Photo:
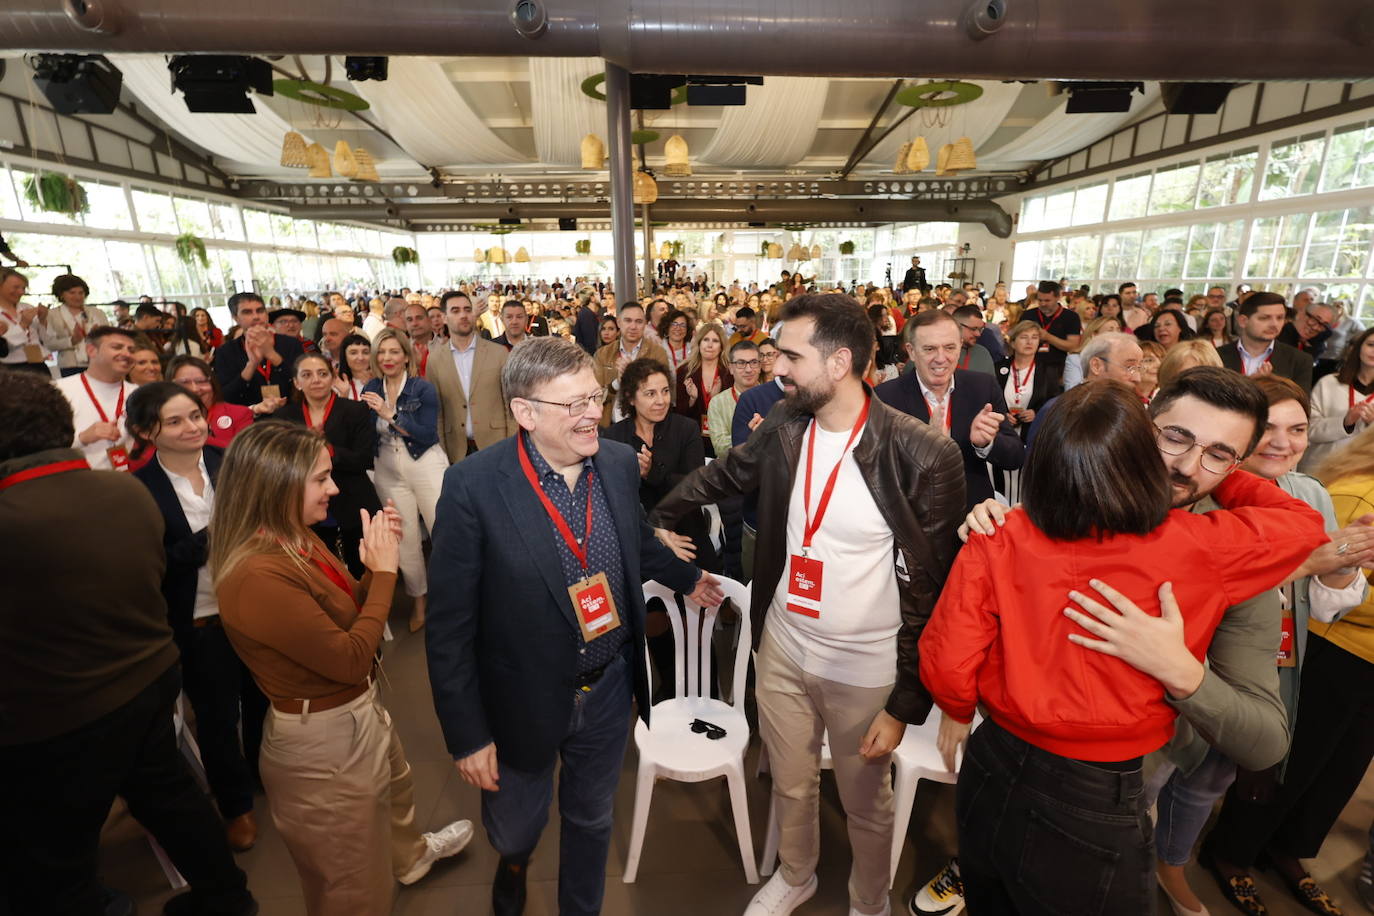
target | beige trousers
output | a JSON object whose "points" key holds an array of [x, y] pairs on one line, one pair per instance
{"points": [[795, 710], [339, 789], [414, 485]]}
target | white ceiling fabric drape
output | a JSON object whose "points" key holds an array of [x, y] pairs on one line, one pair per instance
{"points": [[563, 113], [978, 120], [252, 139], [419, 105], [774, 127], [1058, 133]]}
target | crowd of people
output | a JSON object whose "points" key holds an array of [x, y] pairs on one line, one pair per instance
{"points": [[1167, 506]]}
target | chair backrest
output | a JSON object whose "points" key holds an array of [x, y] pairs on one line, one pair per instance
{"points": [[692, 631]]}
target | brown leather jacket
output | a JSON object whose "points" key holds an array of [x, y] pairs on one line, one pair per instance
{"points": [[916, 477]]}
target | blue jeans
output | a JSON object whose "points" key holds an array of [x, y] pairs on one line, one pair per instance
{"points": [[1185, 804], [592, 753], [1041, 834]]}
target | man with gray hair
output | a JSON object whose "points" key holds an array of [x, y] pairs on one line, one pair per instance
{"points": [[1112, 355], [536, 620]]}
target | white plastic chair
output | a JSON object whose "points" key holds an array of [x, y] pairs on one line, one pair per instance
{"points": [[668, 748], [916, 758]]}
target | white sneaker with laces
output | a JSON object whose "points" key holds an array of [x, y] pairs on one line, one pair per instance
{"points": [[778, 898], [942, 896], [439, 845]]}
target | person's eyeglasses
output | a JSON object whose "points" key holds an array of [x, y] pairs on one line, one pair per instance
{"points": [[1215, 459], [678, 324], [746, 363], [1324, 325], [1128, 368], [710, 730], [578, 406], [977, 329]]}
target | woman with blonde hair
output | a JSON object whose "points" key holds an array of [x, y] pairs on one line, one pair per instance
{"points": [[1186, 354], [338, 784], [702, 376], [410, 462]]}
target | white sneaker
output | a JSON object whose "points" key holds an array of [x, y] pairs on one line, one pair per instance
{"points": [[778, 898], [886, 911], [942, 896], [439, 845]]}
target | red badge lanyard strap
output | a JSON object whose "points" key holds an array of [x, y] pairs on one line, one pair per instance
{"points": [[1364, 401], [265, 370], [812, 525], [119, 405], [968, 355], [336, 577], [44, 470], [424, 361], [328, 409], [579, 549], [1016, 378], [1040, 318]]}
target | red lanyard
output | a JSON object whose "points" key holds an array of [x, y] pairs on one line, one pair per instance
{"points": [[735, 394], [119, 407], [353, 387], [328, 409], [1039, 317], [706, 390], [336, 577], [44, 470], [812, 525], [1352, 397], [1016, 379], [1268, 358], [424, 362], [968, 355], [265, 370], [949, 413], [677, 360], [579, 549]]}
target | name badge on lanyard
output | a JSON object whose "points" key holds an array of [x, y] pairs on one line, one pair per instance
{"points": [[805, 573], [1287, 655]]}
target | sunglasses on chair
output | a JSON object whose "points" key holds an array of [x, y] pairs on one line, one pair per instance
{"points": [[712, 731]]}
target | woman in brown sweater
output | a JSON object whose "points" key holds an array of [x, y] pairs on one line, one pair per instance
{"points": [[338, 784]]}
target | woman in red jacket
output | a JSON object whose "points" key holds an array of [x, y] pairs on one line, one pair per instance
{"points": [[1048, 802]]}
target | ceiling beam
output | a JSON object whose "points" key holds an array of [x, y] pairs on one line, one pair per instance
{"points": [[855, 156]]}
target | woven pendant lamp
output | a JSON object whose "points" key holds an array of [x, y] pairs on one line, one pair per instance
{"points": [[318, 160], [961, 157], [480, 255], [345, 164], [665, 251], [815, 252], [774, 250], [293, 151], [900, 167], [942, 160], [677, 164], [367, 166], [521, 255], [593, 152], [496, 255], [645, 188], [918, 158], [795, 253]]}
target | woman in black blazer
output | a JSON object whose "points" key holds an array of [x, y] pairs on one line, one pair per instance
{"points": [[350, 429], [1026, 385], [181, 478]]}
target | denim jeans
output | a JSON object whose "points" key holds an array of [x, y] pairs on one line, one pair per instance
{"points": [[592, 753], [1043, 834], [1185, 804]]}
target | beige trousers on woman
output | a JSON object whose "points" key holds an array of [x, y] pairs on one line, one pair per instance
{"points": [[339, 789]]}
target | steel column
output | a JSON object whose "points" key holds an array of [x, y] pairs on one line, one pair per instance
{"points": [[621, 164]]}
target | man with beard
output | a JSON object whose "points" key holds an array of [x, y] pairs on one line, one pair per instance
{"points": [[843, 586]]}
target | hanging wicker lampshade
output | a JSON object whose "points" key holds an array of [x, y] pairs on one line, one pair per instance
{"points": [[942, 159], [816, 252], [645, 188], [961, 156], [665, 251], [521, 255], [593, 152], [496, 255], [367, 166], [675, 152], [918, 158], [774, 250], [795, 253], [345, 163], [293, 151], [318, 160], [480, 255], [900, 167]]}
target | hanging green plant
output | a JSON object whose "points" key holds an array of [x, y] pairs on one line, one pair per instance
{"points": [[54, 193], [583, 246], [503, 230], [763, 250], [846, 247], [676, 249], [403, 255], [191, 248]]}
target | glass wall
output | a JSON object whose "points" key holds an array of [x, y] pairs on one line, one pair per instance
{"points": [[1291, 211]]}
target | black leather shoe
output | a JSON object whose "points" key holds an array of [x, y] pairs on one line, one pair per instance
{"points": [[1241, 892], [508, 887]]}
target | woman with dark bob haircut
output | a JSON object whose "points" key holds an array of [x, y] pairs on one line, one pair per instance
{"points": [[1048, 801]]}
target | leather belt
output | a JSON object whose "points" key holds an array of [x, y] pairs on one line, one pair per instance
{"points": [[586, 679], [321, 704], [201, 623]]}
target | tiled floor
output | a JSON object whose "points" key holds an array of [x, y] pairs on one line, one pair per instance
{"points": [[690, 865]]}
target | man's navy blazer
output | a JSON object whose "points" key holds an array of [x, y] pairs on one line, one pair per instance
{"points": [[972, 390], [500, 633]]}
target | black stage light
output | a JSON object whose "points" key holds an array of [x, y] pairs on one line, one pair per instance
{"points": [[1097, 98], [719, 90], [78, 83], [365, 68], [509, 220], [567, 224], [1194, 98], [220, 82]]}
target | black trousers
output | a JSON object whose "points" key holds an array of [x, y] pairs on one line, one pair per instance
{"points": [[1332, 747], [1043, 834], [58, 794], [223, 693]]}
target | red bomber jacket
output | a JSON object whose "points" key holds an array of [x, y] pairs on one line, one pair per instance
{"points": [[999, 636]]}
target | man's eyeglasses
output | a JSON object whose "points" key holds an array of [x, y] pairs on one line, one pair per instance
{"points": [[745, 363], [1128, 368], [578, 406], [975, 328], [1216, 459], [1313, 319]]}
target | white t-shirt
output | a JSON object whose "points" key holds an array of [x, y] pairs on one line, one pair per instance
{"points": [[854, 639], [85, 414]]}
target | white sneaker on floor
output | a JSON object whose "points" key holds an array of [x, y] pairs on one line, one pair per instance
{"points": [[942, 896], [886, 911], [439, 845], [778, 898]]}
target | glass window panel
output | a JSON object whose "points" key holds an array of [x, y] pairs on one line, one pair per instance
{"points": [[1293, 167], [193, 216], [1350, 159], [1129, 197], [1174, 189], [154, 212], [1090, 204], [225, 221], [1032, 214], [9, 202], [1082, 254], [1058, 210], [1026, 259], [1162, 252], [259, 225], [1120, 254], [1227, 180], [129, 269], [1339, 244], [266, 272], [305, 233], [109, 206], [173, 275], [283, 229]]}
